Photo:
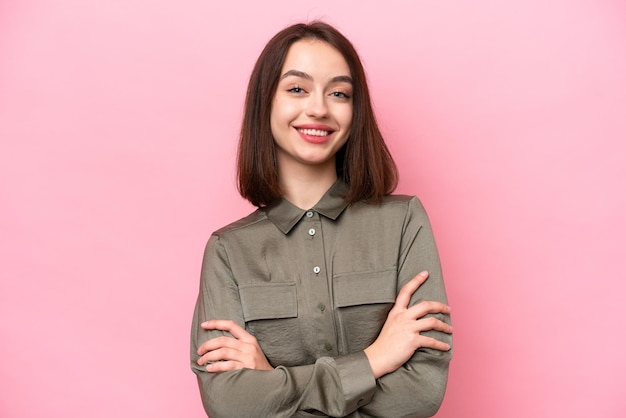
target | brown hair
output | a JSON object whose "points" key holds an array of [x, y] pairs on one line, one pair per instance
{"points": [[364, 162]]}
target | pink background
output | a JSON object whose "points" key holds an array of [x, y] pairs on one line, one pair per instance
{"points": [[118, 126]]}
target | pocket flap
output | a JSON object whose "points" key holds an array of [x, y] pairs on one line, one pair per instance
{"points": [[364, 288], [268, 301]]}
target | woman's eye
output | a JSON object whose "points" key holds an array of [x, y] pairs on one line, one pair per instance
{"points": [[296, 90], [340, 94]]}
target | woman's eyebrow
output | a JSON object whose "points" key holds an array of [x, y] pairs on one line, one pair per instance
{"points": [[296, 73], [342, 79], [302, 74]]}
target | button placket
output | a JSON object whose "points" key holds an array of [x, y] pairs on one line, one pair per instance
{"points": [[311, 231], [318, 299]]}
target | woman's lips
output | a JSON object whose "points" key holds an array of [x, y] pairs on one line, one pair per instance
{"points": [[315, 134]]}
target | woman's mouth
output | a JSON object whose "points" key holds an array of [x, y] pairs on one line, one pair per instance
{"points": [[314, 132], [315, 135]]}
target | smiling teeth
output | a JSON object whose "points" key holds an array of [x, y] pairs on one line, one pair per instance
{"points": [[314, 132]]}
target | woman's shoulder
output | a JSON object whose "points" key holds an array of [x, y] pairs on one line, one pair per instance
{"points": [[389, 205], [398, 198], [400, 203], [245, 222], [404, 200]]}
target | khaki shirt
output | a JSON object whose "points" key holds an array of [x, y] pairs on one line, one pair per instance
{"points": [[314, 287]]}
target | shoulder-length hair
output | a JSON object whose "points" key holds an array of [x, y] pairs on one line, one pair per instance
{"points": [[364, 162]]}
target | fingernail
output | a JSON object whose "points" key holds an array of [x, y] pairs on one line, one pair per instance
{"points": [[423, 274]]}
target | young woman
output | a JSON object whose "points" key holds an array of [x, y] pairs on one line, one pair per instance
{"points": [[327, 300]]}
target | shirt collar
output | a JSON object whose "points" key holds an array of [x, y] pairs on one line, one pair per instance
{"points": [[285, 215]]}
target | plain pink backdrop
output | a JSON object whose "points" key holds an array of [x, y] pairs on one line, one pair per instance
{"points": [[118, 126]]}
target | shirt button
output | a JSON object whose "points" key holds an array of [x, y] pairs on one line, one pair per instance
{"points": [[309, 214], [311, 231], [316, 269], [321, 307], [328, 347]]}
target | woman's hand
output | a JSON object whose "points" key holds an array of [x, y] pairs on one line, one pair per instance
{"points": [[227, 353], [400, 335]]}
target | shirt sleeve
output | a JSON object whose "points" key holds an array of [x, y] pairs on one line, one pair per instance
{"points": [[416, 389], [332, 386]]}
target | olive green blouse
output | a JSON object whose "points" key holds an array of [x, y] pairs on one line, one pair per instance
{"points": [[314, 287]]}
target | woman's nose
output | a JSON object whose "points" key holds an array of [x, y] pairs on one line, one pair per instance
{"points": [[316, 106]]}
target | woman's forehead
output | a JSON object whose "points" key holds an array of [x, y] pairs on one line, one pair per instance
{"points": [[314, 59]]}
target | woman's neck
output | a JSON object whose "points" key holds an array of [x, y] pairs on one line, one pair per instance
{"points": [[304, 186]]}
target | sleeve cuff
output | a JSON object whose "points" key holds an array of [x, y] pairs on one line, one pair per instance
{"points": [[357, 379]]}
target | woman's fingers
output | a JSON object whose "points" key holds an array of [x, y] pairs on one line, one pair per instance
{"points": [[219, 342], [433, 324], [230, 326], [223, 366], [402, 331], [404, 296], [427, 307], [226, 349], [220, 354], [427, 342], [242, 350], [421, 309]]}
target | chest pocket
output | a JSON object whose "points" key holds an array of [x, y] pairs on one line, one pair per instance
{"points": [[270, 311], [268, 301], [363, 300]]}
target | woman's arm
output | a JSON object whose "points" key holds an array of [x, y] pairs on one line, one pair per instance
{"points": [[332, 386], [223, 354], [401, 334], [416, 388], [399, 338]]}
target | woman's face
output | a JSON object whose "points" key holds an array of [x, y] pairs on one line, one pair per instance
{"points": [[311, 112]]}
